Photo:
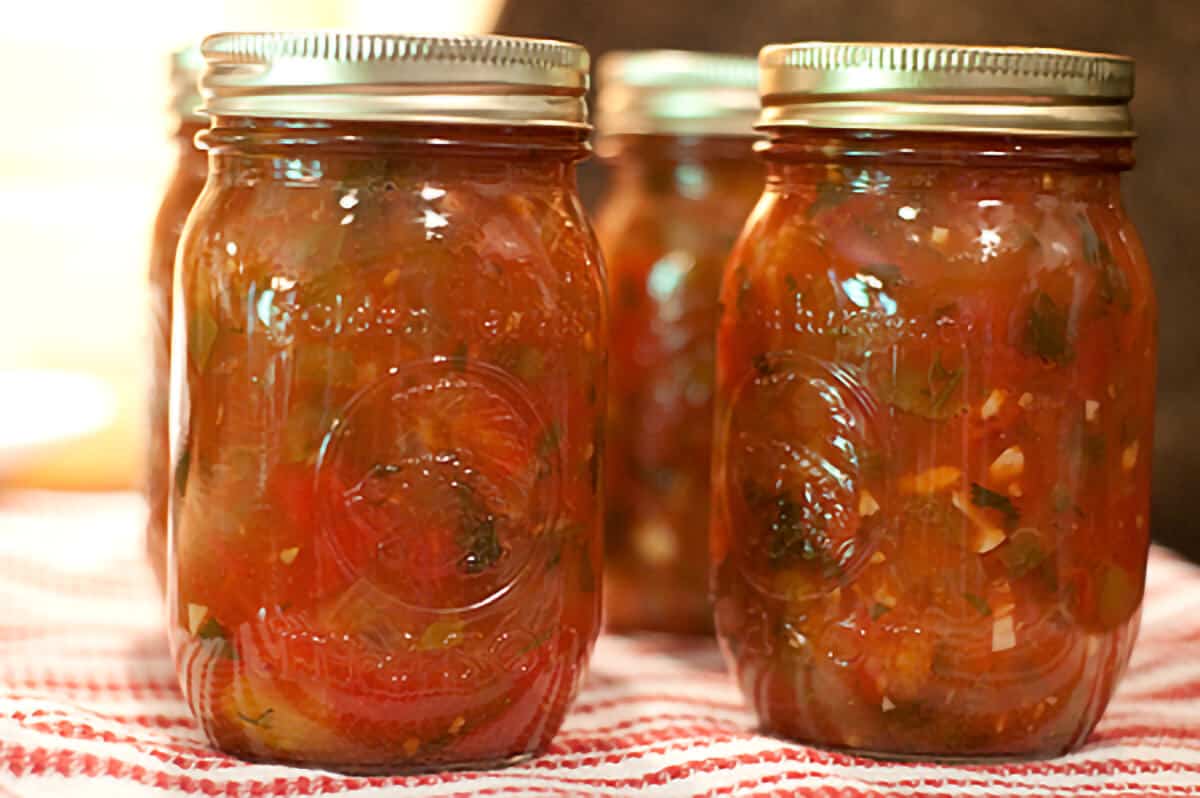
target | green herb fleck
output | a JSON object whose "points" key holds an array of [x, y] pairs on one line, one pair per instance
{"points": [[1022, 553], [796, 535], [529, 362], [980, 605], [479, 537], [946, 381], [441, 634], [202, 333], [538, 641], [828, 196], [1047, 333], [929, 393], [262, 721], [1060, 497], [483, 547], [549, 441], [982, 497], [212, 629], [325, 366], [793, 287], [878, 610], [182, 466], [459, 359], [1114, 287]]}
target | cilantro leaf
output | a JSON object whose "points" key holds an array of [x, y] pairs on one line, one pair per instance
{"points": [[182, 467], [947, 379], [1047, 332], [212, 629], [478, 536], [797, 534], [828, 196], [483, 547], [1022, 553], [929, 394], [1114, 287], [982, 497], [981, 606]]}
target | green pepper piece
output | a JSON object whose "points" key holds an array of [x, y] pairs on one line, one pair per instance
{"points": [[1047, 333]]}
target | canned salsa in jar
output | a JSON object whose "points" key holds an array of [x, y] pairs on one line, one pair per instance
{"points": [[388, 402], [677, 130], [935, 399], [184, 186]]}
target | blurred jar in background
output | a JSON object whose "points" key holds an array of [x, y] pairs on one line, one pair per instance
{"points": [[935, 400], [676, 128], [187, 179], [387, 402]]}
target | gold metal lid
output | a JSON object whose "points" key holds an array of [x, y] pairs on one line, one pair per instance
{"points": [[476, 80], [186, 66], [946, 88], [675, 92]]}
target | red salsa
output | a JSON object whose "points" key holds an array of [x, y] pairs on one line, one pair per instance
{"points": [[191, 167], [666, 228], [680, 192], [935, 401], [390, 391]]}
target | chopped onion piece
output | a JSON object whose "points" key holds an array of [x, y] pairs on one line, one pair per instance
{"points": [[986, 535], [1009, 465], [1129, 456], [993, 404], [196, 613], [931, 480], [1003, 635], [867, 504]]}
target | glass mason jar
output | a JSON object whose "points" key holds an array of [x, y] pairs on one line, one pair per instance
{"points": [[936, 364], [677, 130], [388, 402], [184, 186]]}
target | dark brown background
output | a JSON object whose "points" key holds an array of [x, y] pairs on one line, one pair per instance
{"points": [[1164, 37]]}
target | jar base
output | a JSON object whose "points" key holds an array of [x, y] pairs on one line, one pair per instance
{"points": [[394, 768], [935, 758]]}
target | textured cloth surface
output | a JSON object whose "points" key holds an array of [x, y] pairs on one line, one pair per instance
{"points": [[89, 704]]}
